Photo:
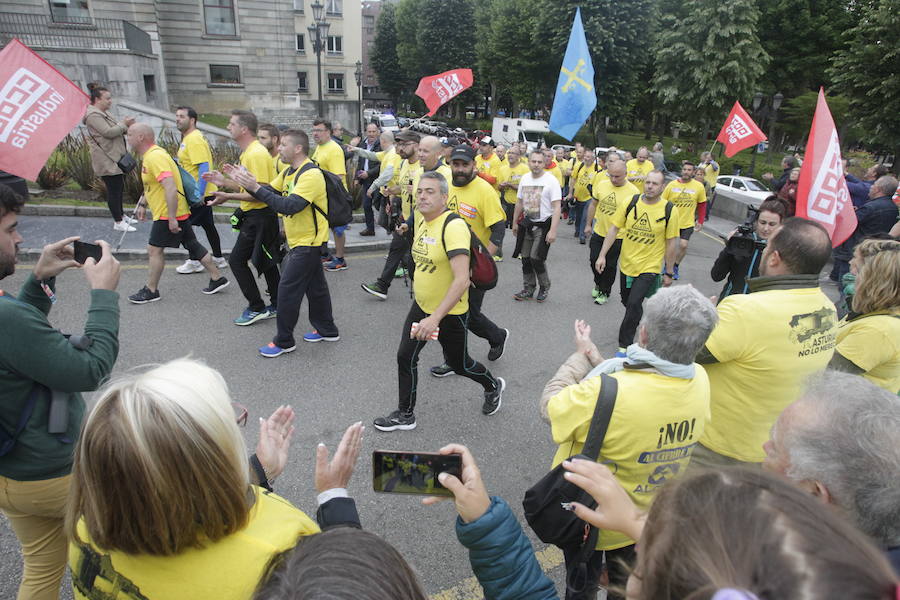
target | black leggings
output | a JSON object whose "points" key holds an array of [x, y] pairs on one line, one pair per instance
{"points": [[202, 216], [115, 189]]}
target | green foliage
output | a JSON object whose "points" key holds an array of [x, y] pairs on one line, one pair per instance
{"points": [[225, 152], [391, 76], [53, 174], [78, 161], [798, 113], [214, 120], [169, 140], [409, 54]]}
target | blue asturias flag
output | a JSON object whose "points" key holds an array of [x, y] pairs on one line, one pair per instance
{"points": [[575, 96]]}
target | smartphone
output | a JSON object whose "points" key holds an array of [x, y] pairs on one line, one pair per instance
{"points": [[413, 472], [84, 251]]}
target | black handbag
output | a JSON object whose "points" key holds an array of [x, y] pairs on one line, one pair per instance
{"points": [[126, 164]]}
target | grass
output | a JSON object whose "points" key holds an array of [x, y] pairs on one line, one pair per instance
{"points": [[214, 120]]}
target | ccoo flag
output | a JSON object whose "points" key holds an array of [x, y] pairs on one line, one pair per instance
{"points": [[822, 194], [575, 98], [739, 131], [438, 90]]}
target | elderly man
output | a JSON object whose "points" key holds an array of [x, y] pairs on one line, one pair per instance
{"points": [[658, 414], [366, 172], [876, 216], [839, 442], [639, 167]]}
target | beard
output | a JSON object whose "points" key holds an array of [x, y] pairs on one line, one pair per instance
{"points": [[461, 179], [7, 263]]}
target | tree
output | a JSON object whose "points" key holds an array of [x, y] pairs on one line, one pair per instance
{"points": [[391, 77], [409, 54]]}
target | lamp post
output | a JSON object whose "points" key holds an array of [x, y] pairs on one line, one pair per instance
{"points": [[359, 75], [318, 32], [764, 112]]}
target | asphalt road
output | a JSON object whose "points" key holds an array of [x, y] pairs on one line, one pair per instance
{"points": [[332, 385]]}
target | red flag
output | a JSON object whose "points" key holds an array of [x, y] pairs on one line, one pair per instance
{"points": [[822, 194], [739, 131], [38, 107], [438, 90]]}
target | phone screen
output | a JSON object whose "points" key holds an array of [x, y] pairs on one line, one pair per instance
{"points": [[413, 472], [83, 251]]}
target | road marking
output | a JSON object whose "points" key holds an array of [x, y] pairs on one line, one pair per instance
{"points": [[126, 266], [468, 589], [713, 237]]}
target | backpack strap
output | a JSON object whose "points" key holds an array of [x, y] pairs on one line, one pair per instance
{"points": [[311, 165], [451, 217], [632, 206], [606, 402], [669, 207]]}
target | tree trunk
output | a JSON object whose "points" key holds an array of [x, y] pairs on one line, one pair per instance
{"points": [[600, 130], [648, 126], [494, 99]]}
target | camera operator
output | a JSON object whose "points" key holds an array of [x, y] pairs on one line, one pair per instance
{"points": [[739, 260], [41, 376]]}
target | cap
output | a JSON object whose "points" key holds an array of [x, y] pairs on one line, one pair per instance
{"points": [[447, 142], [463, 152], [407, 135], [487, 140]]}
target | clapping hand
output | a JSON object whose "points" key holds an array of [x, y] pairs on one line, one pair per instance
{"points": [[469, 494], [337, 473], [241, 176], [584, 344], [214, 177], [275, 440]]}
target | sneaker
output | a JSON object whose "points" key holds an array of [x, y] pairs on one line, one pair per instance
{"points": [[215, 286], [313, 337], [582, 240], [249, 317], [493, 399], [400, 272], [498, 258], [272, 312], [326, 258], [523, 295], [571, 221], [601, 299], [221, 262], [442, 370], [336, 264], [144, 296], [542, 295], [595, 292], [129, 220], [367, 232], [375, 289], [123, 226], [190, 266], [270, 350], [620, 353], [497, 351], [396, 420], [675, 273]]}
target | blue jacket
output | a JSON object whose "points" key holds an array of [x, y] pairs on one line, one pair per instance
{"points": [[859, 190], [502, 557]]}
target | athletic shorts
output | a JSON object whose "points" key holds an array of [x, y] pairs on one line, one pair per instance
{"points": [[161, 237], [339, 231], [686, 233]]}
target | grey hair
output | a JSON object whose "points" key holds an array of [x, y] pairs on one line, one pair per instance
{"points": [[678, 321], [387, 136], [847, 441], [442, 181], [887, 185]]}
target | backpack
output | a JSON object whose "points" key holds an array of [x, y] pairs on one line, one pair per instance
{"points": [[191, 189], [482, 268], [340, 203], [632, 206]]}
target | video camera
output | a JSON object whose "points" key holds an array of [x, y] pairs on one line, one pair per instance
{"points": [[744, 242]]}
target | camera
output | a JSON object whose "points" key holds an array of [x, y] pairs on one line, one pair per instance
{"points": [[743, 243]]}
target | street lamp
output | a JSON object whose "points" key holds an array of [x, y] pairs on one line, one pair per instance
{"points": [[359, 75], [763, 112], [318, 32]]}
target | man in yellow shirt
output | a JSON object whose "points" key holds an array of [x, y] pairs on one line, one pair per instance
{"points": [[258, 236], [298, 195], [711, 167], [441, 252], [509, 182], [689, 196], [606, 198], [164, 194], [329, 156], [581, 182], [487, 163], [639, 167], [501, 152], [552, 167], [649, 226], [270, 137]]}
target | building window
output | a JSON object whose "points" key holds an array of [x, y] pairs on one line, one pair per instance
{"points": [[334, 8], [230, 74], [150, 87], [335, 83], [302, 82], [368, 21], [335, 44], [301, 43], [219, 16], [70, 11], [298, 5]]}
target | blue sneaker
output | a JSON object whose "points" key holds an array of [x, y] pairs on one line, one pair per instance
{"points": [[270, 350], [313, 337], [249, 317], [336, 264], [675, 273], [620, 353]]}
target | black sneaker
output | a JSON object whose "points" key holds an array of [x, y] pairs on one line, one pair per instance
{"points": [[144, 296], [396, 420], [375, 289], [215, 286], [523, 295], [442, 370], [542, 295], [497, 351], [493, 399]]}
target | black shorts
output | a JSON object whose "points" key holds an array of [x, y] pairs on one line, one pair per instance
{"points": [[161, 237], [686, 233]]}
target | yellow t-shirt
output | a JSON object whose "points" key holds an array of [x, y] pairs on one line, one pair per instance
{"points": [[443, 169], [711, 174], [279, 165], [872, 343], [194, 150], [685, 197], [600, 176], [608, 199], [512, 175], [637, 172], [390, 157], [767, 344], [432, 258], [229, 569], [330, 156], [583, 177], [490, 166], [479, 205], [644, 236], [557, 172], [300, 228], [408, 176], [156, 166], [256, 159], [656, 423]]}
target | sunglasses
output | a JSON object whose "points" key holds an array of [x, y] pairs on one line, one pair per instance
{"points": [[240, 413]]}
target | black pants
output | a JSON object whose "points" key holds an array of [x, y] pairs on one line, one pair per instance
{"points": [[397, 253], [479, 324], [303, 275], [633, 299], [618, 573], [510, 210], [239, 261], [202, 216], [604, 281], [115, 188], [452, 338], [368, 212]]}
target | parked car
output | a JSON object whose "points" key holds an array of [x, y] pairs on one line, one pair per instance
{"points": [[743, 189]]}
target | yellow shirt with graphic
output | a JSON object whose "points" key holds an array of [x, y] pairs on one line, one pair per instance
{"points": [[637, 172], [479, 205], [229, 569], [408, 177], [157, 165], [512, 175], [600, 177], [490, 166], [767, 343], [711, 174], [308, 227], [644, 235], [872, 343], [390, 157], [655, 424], [443, 169], [330, 156], [432, 259], [685, 197], [608, 199], [583, 176], [557, 172], [256, 159], [193, 151]]}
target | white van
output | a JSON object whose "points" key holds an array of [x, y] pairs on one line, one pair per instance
{"points": [[530, 131]]}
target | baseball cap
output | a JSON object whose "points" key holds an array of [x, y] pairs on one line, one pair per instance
{"points": [[447, 142], [487, 140], [463, 152]]}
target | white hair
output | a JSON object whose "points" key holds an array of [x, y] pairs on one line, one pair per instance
{"points": [[678, 321]]}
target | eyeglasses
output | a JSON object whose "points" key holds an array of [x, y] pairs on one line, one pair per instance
{"points": [[240, 413]]}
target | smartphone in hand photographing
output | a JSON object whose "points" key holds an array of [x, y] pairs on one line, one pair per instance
{"points": [[413, 472], [83, 251]]}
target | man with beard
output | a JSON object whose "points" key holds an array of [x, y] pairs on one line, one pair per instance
{"points": [[329, 156], [270, 137], [689, 196]]}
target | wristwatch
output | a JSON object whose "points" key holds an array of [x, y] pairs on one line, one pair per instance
{"points": [[669, 275]]}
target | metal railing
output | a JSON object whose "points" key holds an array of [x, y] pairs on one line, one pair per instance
{"points": [[39, 31]]}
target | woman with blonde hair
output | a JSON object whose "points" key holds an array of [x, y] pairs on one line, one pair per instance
{"points": [[868, 339]]}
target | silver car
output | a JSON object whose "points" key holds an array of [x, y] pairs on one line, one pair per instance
{"points": [[743, 189]]}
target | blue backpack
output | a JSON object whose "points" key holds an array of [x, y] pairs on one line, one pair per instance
{"points": [[191, 188]]}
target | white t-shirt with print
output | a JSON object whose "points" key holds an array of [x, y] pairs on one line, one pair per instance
{"points": [[537, 195]]}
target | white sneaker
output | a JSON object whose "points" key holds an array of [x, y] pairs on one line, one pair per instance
{"points": [[129, 220], [190, 266], [221, 262], [123, 226]]}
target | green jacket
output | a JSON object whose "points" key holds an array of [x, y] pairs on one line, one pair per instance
{"points": [[31, 350]]}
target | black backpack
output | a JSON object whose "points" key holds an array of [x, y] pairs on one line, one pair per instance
{"points": [[482, 268], [340, 203], [632, 206]]}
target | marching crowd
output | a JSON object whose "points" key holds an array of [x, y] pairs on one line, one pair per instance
{"points": [[735, 449]]}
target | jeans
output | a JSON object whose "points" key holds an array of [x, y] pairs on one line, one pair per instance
{"points": [[302, 275], [604, 281], [534, 255], [367, 205], [578, 212], [633, 300]]}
